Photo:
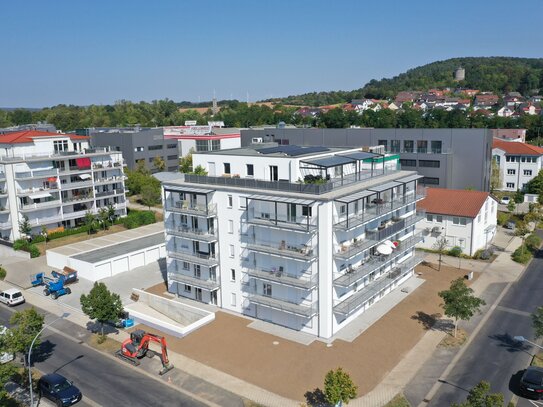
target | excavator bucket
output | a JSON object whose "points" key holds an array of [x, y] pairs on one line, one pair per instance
{"points": [[165, 369]]}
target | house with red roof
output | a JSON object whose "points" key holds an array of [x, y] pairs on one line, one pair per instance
{"points": [[53, 180], [518, 162], [465, 218]]}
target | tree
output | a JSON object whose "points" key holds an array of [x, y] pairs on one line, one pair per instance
{"points": [[537, 322], [459, 302], [111, 213], [101, 304], [511, 206], [440, 245], [90, 222], [521, 230], [150, 195], [185, 163], [339, 387], [496, 180], [199, 170], [24, 227], [25, 326], [158, 163], [480, 396], [103, 216]]}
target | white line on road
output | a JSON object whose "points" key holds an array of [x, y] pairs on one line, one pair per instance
{"points": [[513, 311]]}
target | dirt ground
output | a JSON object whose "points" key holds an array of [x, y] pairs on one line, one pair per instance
{"points": [[291, 369]]}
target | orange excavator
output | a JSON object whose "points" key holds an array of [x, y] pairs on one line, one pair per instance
{"points": [[135, 348]]}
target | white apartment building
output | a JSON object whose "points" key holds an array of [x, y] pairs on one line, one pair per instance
{"points": [[303, 237], [54, 179], [519, 163], [466, 219]]}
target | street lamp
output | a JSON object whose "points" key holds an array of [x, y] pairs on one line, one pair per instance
{"points": [[523, 339], [66, 314]]}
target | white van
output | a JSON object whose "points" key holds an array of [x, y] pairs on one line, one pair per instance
{"points": [[12, 297]]}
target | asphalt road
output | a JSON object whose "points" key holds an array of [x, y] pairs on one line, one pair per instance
{"points": [[106, 381], [493, 355]]}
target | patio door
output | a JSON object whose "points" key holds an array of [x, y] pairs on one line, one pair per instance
{"points": [[198, 293], [211, 167], [214, 297], [274, 173], [291, 212]]}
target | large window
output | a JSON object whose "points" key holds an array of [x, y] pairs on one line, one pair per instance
{"points": [[171, 146], [436, 147], [511, 171], [408, 163], [250, 170], [215, 145], [60, 145], [383, 143], [459, 221], [155, 147], [422, 146], [227, 168], [394, 146], [510, 185], [408, 146], [430, 181], [267, 288], [527, 172], [429, 163], [202, 145]]}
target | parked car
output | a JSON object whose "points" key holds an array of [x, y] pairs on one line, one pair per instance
{"points": [[510, 225], [58, 389], [531, 383], [505, 200], [12, 297], [5, 357]]}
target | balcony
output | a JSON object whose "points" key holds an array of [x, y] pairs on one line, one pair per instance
{"points": [[5, 225], [376, 262], [209, 285], [77, 198], [280, 304], [205, 259], [108, 180], [282, 249], [76, 185], [29, 191], [192, 233], [193, 208], [45, 220], [374, 288], [41, 205], [36, 174], [283, 278], [106, 165], [373, 237], [75, 215]]}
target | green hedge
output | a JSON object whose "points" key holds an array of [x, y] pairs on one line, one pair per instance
{"points": [[3, 273], [522, 255], [135, 219], [503, 218], [26, 246], [533, 242], [456, 251]]}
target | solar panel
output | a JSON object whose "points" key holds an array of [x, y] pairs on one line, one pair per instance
{"points": [[308, 150]]}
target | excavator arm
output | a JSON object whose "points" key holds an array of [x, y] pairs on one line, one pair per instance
{"points": [[166, 366]]}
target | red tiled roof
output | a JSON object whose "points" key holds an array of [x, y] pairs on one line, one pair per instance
{"points": [[27, 136], [455, 202], [512, 147]]}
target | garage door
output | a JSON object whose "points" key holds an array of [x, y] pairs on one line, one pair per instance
{"points": [[137, 260], [102, 271], [151, 255], [120, 266]]}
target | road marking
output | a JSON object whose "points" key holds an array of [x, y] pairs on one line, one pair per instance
{"points": [[536, 403], [513, 311], [428, 398]]}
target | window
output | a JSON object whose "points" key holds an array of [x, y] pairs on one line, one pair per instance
{"points": [[436, 146], [430, 181], [188, 288], [227, 168], [429, 163], [172, 157], [459, 221], [479, 218], [151, 159], [510, 185], [138, 149], [60, 145], [184, 219], [231, 250], [394, 146], [155, 147], [215, 145], [232, 275], [267, 288], [306, 210], [197, 271], [242, 202], [408, 146], [171, 146], [342, 209], [202, 145], [511, 171], [408, 163], [230, 226], [186, 265], [233, 299], [383, 143], [250, 170], [430, 218], [527, 172], [230, 201], [439, 219], [422, 146]]}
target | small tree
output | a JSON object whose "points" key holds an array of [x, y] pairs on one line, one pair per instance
{"points": [[521, 230], [158, 163], [511, 206], [199, 170], [101, 304], [537, 322], [25, 326], [90, 222], [111, 213], [24, 227], [480, 396], [459, 302], [495, 176], [440, 245], [103, 216], [339, 387], [518, 197], [185, 163], [150, 195]]}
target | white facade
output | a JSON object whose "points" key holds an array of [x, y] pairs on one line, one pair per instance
{"points": [[54, 180], [253, 238], [517, 169], [471, 234]]}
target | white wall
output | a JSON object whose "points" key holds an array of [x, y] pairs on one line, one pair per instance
{"points": [[513, 173]]}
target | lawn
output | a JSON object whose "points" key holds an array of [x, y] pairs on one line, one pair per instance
{"points": [[538, 360], [398, 401]]}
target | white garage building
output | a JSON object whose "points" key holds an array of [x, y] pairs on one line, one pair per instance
{"points": [[96, 259]]}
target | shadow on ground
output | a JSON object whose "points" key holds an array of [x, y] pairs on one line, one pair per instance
{"points": [[514, 383], [96, 327], [426, 320], [506, 341], [43, 352], [315, 398]]}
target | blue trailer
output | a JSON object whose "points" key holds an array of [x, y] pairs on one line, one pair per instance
{"points": [[67, 275]]}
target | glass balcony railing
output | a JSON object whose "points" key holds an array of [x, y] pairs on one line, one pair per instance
{"points": [[290, 306], [282, 248], [207, 259], [192, 208], [206, 284], [208, 235], [279, 276]]}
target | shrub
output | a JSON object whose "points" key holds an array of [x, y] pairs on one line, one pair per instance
{"points": [[456, 251], [3, 273], [483, 254], [38, 238], [33, 250], [522, 255], [503, 218], [24, 245], [19, 244], [135, 219], [533, 242]]}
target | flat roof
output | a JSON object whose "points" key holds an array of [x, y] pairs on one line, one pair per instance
{"points": [[265, 151], [95, 256]]}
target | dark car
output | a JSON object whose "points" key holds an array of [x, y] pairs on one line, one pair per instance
{"points": [[58, 389], [531, 384]]}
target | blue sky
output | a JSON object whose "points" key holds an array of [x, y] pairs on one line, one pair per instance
{"points": [[97, 52]]}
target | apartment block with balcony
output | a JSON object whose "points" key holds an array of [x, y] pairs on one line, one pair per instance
{"points": [[303, 237], [54, 180]]}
